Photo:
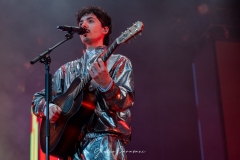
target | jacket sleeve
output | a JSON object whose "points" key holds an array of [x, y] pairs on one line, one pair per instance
{"points": [[121, 94], [38, 101]]}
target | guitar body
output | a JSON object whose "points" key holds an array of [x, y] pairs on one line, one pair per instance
{"points": [[75, 113]]}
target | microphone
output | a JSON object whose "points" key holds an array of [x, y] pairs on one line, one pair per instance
{"points": [[72, 29]]}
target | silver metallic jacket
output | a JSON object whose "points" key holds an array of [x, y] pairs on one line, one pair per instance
{"points": [[113, 116]]}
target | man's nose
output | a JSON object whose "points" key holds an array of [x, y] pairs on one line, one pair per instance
{"points": [[84, 24]]}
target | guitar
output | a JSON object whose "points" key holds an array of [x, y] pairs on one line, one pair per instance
{"points": [[77, 107]]}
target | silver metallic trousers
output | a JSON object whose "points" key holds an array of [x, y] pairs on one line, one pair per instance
{"points": [[100, 146]]}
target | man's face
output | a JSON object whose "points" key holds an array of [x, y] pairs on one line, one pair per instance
{"points": [[95, 30]]}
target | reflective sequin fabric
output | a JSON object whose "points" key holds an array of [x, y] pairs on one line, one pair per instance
{"points": [[111, 128]]}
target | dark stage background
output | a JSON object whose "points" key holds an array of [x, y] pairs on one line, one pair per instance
{"points": [[181, 111]]}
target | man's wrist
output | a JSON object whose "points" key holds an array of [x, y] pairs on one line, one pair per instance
{"points": [[107, 88], [112, 93]]}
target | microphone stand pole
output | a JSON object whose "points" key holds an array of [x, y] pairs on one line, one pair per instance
{"points": [[45, 59]]}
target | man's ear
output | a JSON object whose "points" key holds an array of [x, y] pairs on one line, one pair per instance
{"points": [[105, 29]]}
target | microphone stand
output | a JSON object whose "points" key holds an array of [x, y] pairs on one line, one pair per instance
{"points": [[45, 59]]}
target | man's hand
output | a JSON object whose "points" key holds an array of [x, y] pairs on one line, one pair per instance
{"points": [[99, 73], [54, 113]]}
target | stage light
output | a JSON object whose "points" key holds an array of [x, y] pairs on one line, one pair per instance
{"points": [[203, 8]]}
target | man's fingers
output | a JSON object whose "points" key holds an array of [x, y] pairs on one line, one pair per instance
{"points": [[96, 66], [91, 73], [54, 113], [101, 63], [54, 117], [56, 110], [59, 109]]}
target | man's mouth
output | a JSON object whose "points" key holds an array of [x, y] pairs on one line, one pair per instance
{"points": [[87, 31]]}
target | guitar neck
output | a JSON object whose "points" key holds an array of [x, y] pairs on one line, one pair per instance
{"points": [[110, 50], [88, 78]]}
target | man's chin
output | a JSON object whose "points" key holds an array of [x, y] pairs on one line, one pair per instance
{"points": [[85, 40]]}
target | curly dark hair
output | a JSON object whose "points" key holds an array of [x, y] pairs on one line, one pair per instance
{"points": [[102, 16]]}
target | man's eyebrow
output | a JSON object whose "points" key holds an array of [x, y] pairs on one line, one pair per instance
{"points": [[87, 18]]}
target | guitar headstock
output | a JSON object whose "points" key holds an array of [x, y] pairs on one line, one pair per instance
{"points": [[131, 32]]}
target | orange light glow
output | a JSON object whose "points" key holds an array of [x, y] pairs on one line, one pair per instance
{"points": [[35, 149], [88, 105]]}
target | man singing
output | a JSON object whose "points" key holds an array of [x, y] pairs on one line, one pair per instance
{"points": [[109, 130]]}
